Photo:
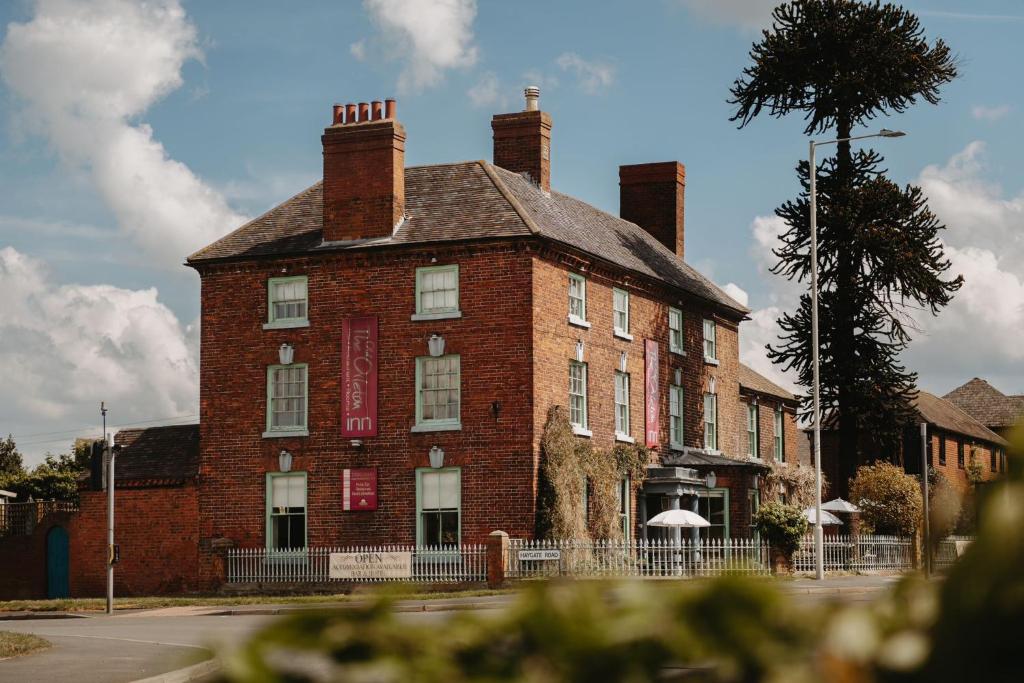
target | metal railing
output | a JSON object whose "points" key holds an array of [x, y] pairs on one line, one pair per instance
{"points": [[433, 564], [949, 551], [857, 553], [20, 519], [639, 558]]}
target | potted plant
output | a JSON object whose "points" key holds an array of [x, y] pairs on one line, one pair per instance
{"points": [[782, 526]]}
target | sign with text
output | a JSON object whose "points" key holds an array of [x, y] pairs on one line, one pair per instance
{"points": [[651, 402], [370, 565], [359, 377], [533, 555], [359, 488]]}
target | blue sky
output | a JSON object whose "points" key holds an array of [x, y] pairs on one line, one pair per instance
{"points": [[225, 102]]}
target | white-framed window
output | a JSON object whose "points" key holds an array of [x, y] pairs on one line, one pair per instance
{"points": [[287, 399], [621, 403], [620, 312], [286, 510], [625, 507], [287, 302], [780, 451], [578, 300], [675, 416], [578, 394], [711, 421], [437, 292], [753, 415], [438, 393], [438, 506], [710, 340], [675, 331]]}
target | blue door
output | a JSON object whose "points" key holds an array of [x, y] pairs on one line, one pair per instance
{"points": [[57, 563]]}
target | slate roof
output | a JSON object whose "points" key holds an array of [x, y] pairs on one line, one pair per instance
{"points": [[472, 200], [754, 381], [157, 455], [987, 405], [947, 416]]}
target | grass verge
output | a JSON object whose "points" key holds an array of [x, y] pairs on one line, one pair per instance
{"points": [[14, 644]]}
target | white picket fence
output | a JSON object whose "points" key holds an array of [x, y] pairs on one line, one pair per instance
{"points": [[430, 564], [640, 558], [949, 551], [857, 553]]}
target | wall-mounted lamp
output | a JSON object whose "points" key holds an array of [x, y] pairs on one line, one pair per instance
{"points": [[711, 479], [711, 385], [436, 457], [356, 443], [284, 461], [623, 359], [286, 353], [579, 350], [756, 482], [436, 345], [495, 409], [679, 377]]}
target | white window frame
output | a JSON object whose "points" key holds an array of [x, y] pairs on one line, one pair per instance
{"points": [[623, 313], [276, 323], [676, 336], [779, 443], [710, 341], [435, 424], [273, 431], [753, 430], [579, 427], [622, 418], [581, 283], [422, 472], [711, 421], [272, 477], [437, 313], [676, 417]]}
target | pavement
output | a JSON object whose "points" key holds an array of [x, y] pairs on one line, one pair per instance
{"points": [[136, 645]]}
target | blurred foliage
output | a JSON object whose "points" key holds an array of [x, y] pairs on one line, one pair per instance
{"points": [[781, 525], [889, 499], [796, 481], [56, 478]]}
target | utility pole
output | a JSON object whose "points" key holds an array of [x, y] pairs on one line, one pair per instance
{"points": [[924, 484], [109, 456]]}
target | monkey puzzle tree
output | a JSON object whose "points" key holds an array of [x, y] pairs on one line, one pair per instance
{"points": [[841, 64]]}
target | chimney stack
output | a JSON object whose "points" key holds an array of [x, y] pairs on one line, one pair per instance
{"points": [[364, 172], [652, 196], [522, 140]]}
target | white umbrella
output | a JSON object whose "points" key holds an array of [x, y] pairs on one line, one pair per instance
{"points": [[678, 518], [839, 505], [827, 518]]}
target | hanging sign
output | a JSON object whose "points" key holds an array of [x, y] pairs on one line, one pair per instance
{"points": [[359, 377], [651, 404], [359, 488]]}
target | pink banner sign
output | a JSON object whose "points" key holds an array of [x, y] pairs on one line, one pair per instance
{"points": [[359, 488], [359, 377], [651, 402]]}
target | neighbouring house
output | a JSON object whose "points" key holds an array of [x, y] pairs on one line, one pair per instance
{"points": [[989, 406]]}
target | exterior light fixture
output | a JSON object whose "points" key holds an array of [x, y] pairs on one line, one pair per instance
{"points": [[286, 353], [436, 345], [495, 409], [579, 350], [711, 479], [679, 377], [436, 457], [356, 443], [623, 359], [886, 133], [284, 461], [756, 481], [711, 385]]}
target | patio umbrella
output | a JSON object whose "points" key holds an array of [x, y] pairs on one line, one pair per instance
{"points": [[678, 518], [827, 518], [839, 505]]}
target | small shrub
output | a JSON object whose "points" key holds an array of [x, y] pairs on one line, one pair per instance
{"points": [[889, 499], [796, 481], [781, 525]]}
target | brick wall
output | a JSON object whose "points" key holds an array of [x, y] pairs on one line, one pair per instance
{"points": [[955, 474], [23, 559]]}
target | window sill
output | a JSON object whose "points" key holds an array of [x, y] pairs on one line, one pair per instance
{"points": [[447, 427], [710, 361], [624, 438], [579, 322], [285, 324], [678, 447], [678, 352], [623, 335], [582, 431], [445, 315], [285, 434]]}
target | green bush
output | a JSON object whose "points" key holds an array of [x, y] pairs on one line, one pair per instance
{"points": [[781, 525], [889, 499]]}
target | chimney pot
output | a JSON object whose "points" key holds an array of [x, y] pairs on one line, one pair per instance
{"points": [[375, 108], [338, 115], [364, 111], [532, 98], [389, 109], [350, 113]]}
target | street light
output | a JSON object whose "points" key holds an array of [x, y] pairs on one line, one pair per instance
{"points": [[819, 536]]}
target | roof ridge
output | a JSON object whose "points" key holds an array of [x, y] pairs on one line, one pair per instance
{"points": [[997, 439], [500, 186]]}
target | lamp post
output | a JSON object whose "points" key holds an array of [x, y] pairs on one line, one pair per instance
{"points": [[819, 560]]}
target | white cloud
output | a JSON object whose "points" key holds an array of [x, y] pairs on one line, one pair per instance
{"points": [[86, 70], [358, 50], [593, 77], [737, 293], [487, 92], [983, 113], [746, 14], [64, 348], [431, 36]]}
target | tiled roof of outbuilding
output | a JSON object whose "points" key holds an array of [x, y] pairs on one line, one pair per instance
{"points": [[946, 415], [473, 200], [986, 404], [157, 454], [754, 381]]}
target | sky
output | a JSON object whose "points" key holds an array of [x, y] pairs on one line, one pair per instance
{"points": [[132, 134]]}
